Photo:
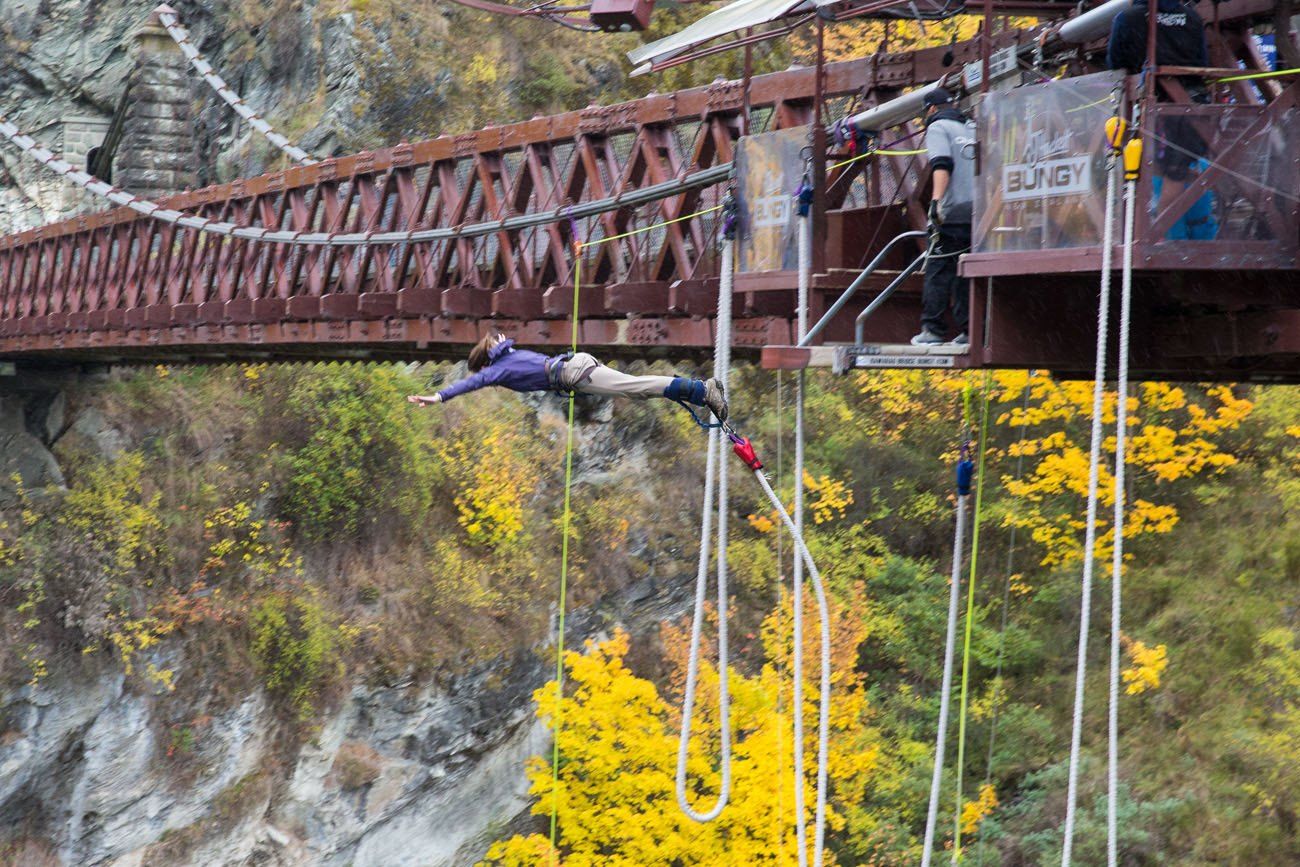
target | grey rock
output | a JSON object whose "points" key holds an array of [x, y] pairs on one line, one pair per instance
{"points": [[22, 454]]}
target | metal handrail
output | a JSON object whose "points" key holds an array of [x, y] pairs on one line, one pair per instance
{"points": [[859, 324], [857, 283]]}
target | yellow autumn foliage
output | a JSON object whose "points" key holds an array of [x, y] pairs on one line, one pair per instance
{"points": [[616, 796], [1148, 663], [827, 499], [1170, 438], [974, 812], [495, 479]]}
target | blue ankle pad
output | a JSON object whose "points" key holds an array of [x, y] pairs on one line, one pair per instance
{"points": [[683, 389], [697, 392]]}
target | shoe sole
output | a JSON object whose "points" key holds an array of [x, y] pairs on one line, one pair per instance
{"points": [[722, 398]]}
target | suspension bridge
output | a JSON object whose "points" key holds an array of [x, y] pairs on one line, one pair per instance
{"points": [[612, 228], [411, 251]]}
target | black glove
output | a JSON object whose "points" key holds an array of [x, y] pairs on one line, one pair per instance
{"points": [[936, 219]]}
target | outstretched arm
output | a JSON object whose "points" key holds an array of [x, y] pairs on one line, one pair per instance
{"points": [[489, 375], [423, 399]]}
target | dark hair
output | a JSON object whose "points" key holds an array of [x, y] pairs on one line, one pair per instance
{"points": [[478, 356]]}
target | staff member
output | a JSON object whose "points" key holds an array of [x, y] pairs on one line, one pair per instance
{"points": [[950, 148]]}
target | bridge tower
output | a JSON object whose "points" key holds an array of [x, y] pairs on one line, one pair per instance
{"points": [[155, 156]]}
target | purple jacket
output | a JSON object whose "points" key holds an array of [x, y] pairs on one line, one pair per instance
{"points": [[507, 367]]}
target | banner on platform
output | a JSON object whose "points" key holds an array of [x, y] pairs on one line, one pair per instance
{"points": [[1042, 164], [769, 170]]}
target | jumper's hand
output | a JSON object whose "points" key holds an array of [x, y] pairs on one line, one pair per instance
{"points": [[424, 400]]}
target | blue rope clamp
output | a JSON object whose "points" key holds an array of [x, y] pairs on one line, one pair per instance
{"points": [[730, 216], [804, 194], [965, 470]]}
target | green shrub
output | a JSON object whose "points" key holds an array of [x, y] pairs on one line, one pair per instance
{"points": [[357, 454], [298, 646]]}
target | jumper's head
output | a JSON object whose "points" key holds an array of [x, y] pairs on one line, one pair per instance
{"points": [[481, 353]]}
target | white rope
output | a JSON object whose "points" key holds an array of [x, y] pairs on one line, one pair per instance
{"points": [[154, 211], [1090, 533], [950, 646], [823, 610], [801, 825], [1117, 555], [181, 37], [823, 718], [713, 468]]}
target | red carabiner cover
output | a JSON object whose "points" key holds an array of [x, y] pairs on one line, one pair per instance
{"points": [[745, 451]]}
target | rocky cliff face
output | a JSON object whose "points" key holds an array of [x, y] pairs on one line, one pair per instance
{"points": [[97, 768], [404, 775], [66, 63], [336, 77], [419, 775]]}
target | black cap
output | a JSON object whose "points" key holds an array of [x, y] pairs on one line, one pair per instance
{"points": [[938, 96]]}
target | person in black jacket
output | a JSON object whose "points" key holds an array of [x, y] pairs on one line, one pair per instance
{"points": [[1180, 37], [1181, 150]]}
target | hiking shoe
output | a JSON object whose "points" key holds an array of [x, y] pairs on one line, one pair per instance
{"points": [[927, 338], [962, 339], [715, 399]]}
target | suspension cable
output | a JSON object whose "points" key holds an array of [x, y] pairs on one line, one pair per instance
{"points": [[801, 310], [155, 211], [1006, 607], [181, 37], [804, 222], [964, 468]]}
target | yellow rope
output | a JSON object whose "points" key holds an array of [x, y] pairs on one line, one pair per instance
{"points": [[564, 575], [960, 770], [881, 152], [1274, 74], [600, 241]]}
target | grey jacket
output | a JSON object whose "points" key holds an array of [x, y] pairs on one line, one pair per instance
{"points": [[950, 144]]}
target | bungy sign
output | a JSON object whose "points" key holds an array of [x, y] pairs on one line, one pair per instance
{"points": [[1043, 157], [769, 169]]}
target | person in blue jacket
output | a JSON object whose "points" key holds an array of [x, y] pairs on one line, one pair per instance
{"points": [[495, 360]]}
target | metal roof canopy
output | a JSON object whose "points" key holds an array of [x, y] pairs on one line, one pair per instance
{"points": [[688, 44]]}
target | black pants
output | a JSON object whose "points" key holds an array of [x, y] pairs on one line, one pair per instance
{"points": [[942, 285]]}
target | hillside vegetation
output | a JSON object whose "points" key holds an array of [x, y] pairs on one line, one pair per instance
{"points": [[302, 527]]}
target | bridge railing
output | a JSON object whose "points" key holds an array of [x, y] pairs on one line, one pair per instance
{"points": [[117, 269]]}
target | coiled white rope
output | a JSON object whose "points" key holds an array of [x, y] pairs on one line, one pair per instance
{"points": [[181, 37], [1090, 533], [1117, 549], [154, 211], [950, 648], [714, 467]]}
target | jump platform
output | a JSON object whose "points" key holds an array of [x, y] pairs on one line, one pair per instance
{"points": [[843, 358]]}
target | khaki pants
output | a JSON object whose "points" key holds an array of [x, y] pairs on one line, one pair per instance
{"points": [[584, 373]]}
